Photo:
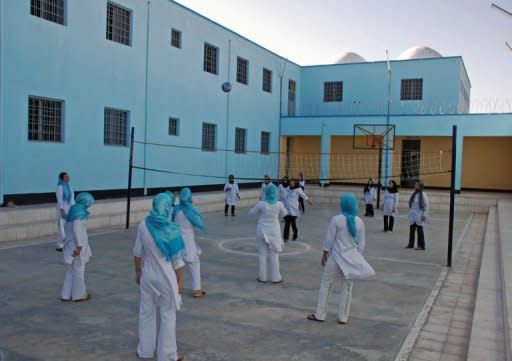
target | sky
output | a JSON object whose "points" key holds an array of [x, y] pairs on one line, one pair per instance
{"points": [[312, 32]]}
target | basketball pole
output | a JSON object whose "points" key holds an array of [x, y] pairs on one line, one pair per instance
{"points": [[130, 171], [452, 197]]}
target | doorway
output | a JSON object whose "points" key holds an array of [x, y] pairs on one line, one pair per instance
{"points": [[410, 166]]}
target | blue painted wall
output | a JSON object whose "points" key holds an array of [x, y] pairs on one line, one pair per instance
{"points": [[76, 64], [365, 87]]}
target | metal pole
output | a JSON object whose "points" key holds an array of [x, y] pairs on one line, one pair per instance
{"points": [[452, 197], [130, 171], [379, 178]]}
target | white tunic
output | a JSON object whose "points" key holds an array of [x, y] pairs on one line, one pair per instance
{"points": [[187, 232], [341, 246], [370, 197], [61, 203], [292, 201], [153, 260], [390, 202], [76, 236], [262, 192], [268, 228], [415, 212], [283, 193], [231, 191]]}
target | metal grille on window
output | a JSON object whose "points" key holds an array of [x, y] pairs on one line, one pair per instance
{"points": [[241, 70], [173, 126], [176, 38], [44, 119], [265, 142], [118, 24], [51, 10], [210, 59], [208, 143], [411, 89], [267, 80], [240, 137], [116, 127], [333, 91]]}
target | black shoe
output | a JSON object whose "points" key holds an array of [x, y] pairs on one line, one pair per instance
{"points": [[408, 247], [59, 249], [294, 238]]}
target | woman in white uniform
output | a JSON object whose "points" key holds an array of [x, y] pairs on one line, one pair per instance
{"points": [[390, 205], [264, 185], [76, 250], [268, 233], [65, 199], [342, 258], [369, 197], [158, 252], [293, 208], [232, 195], [418, 215], [188, 217]]}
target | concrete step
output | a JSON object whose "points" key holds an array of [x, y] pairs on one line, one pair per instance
{"points": [[505, 252], [487, 332]]}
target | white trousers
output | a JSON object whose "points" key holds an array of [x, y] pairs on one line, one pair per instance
{"points": [[264, 252], [156, 292], [331, 273], [61, 234], [74, 281], [194, 271]]}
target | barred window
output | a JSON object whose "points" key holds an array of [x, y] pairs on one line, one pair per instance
{"points": [[210, 58], [267, 80], [44, 119], [242, 67], [116, 127], [265, 142], [333, 91], [209, 137], [411, 89], [240, 140], [174, 126], [118, 24], [51, 10], [176, 38]]}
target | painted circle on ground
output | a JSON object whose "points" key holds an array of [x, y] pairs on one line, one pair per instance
{"points": [[246, 246]]}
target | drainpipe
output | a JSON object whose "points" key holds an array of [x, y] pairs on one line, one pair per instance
{"points": [[146, 90], [227, 115]]}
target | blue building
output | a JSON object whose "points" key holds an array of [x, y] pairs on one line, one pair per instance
{"points": [[76, 76]]}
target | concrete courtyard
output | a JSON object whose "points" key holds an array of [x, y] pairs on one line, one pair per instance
{"points": [[239, 319]]}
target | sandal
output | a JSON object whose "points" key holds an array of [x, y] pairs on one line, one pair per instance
{"points": [[312, 317], [180, 357], [257, 279], [85, 299], [198, 294]]}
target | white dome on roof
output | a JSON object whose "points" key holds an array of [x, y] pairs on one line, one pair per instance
{"points": [[419, 52], [348, 57]]}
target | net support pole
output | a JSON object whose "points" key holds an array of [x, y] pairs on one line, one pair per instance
{"points": [[379, 180], [130, 171], [452, 197]]}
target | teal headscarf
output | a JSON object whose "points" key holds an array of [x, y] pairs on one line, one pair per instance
{"points": [[78, 211], [191, 213], [166, 233], [271, 194], [350, 209], [66, 190]]}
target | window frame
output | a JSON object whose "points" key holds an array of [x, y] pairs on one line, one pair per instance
{"points": [[178, 39], [331, 92], [409, 89], [40, 135], [45, 14], [176, 127], [204, 140], [120, 37], [242, 70], [262, 143], [212, 66], [124, 141], [240, 140], [269, 88]]}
